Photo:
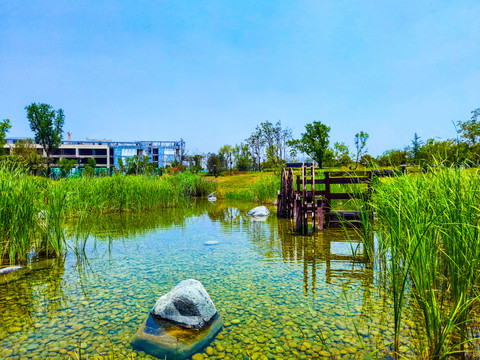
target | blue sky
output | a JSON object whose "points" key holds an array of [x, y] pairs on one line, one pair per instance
{"points": [[210, 71]]}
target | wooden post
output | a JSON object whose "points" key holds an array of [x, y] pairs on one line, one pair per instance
{"points": [[320, 214], [327, 205], [304, 200], [298, 220], [280, 214], [314, 213]]}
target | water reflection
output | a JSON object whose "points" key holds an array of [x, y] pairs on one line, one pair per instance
{"points": [[264, 279], [340, 254]]}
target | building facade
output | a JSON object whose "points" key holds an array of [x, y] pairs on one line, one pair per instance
{"points": [[107, 152]]}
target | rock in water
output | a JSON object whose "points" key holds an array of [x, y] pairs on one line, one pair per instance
{"points": [[259, 211], [211, 242], [187, 305], [181, 323], [9, 269]]}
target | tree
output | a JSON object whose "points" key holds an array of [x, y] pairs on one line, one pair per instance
{"points": [[214, 164], [270, 136], [341, 154], [4, 127], [416, 145], [66, 166], [393, 157], [242, 158], [440, 151], [47, 124], [226, 155], [196, 162], [314, 142], [26, 151], [121, 167], [256, 142], [360, 143], [139, 165], [367, 160], [470, 129], [283, 136], [89, 169]]}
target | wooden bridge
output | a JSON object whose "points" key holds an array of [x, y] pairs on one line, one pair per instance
{"points": [[305, 201]]}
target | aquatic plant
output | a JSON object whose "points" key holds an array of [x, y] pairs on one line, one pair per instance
{"points": [[429, 242], [32, 209]]}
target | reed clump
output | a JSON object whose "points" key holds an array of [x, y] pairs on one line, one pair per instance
{"points": [[32, 209], [429, 242], [131, 193]]}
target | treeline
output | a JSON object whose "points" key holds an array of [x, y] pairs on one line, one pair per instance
{"points": [[267, 147], [464, 149], [272, 145]]}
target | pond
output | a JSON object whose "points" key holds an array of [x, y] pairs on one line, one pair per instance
{"points": [[281, 296]]}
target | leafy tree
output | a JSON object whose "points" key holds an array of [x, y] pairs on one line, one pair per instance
{"points": [[367, 160], [243, 160], [89, 169], [256, 143], [139, 165], [196, 162], [440, 151], [92, 162], [470, 129], [214, 165], [226, 157], [270, 134], [393, 157], [26, 151], [314, 142], [416, 145], [66, 166], [121, 167], [360, 143], [47, 124], [341, 154], [4, 127], [283, 136]]}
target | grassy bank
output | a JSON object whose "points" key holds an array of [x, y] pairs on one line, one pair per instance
{"points": [[429, 245], [32, 209], [253, 187]]}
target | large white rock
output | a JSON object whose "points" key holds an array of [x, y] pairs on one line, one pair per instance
{"points": [[259, 211], [187, 305]]}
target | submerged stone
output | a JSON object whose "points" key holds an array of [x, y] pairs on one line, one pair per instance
{"points": [[181, 323], [210, 242], [164, 340], [187, 305], [259, 211]]}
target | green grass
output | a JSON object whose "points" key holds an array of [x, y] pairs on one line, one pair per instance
{"points": [[32, 209], [253, 187]]}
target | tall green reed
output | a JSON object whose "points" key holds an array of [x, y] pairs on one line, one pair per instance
{"points": [[32, 209], [429, 242]]}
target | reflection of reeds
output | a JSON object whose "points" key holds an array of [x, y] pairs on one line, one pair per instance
{"points": [[429, 238]]}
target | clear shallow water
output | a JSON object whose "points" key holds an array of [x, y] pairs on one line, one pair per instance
{"points": [[281, 296]]}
